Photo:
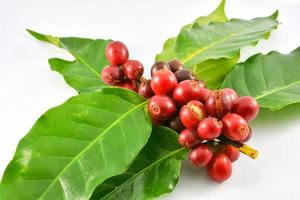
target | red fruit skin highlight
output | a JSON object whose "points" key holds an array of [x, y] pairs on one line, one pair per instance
{"points": [[188, 138], [163, 82], [201, 155], [116, 53], [219, 103], [247, 107], [220, 168], [186, 91], [145, 88], [192, 113], [112, 74], [161, 107], [209, 128], [230, 151], [133, 69], [235, 127]]}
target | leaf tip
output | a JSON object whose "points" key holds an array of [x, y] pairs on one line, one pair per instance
{"points": [[275, 15], [44, 38]]}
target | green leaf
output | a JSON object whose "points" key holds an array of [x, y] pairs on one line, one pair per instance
{"points": [[213, 72], [83, 73], [273, 79], [168, 52], [154, 172], [221, 40], [76, 146]]}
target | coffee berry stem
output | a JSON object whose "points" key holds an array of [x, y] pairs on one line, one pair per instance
{"points": [[243, 148]]}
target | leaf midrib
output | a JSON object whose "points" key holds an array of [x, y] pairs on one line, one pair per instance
{"points": [[145, 169], [92, 144], [80, 59], [199, 51], [275, 90]]}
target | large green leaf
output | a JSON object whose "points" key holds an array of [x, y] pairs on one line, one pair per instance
{"points": [[168, 52], [76, 146], [221, 40], [154, 172], [211, 71], [273, 79], [83, 73]]}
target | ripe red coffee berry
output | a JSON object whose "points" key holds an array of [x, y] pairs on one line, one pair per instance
{"points": [[219, 103], [117, 53], [112, 74], [247, 107], [220, 168], [204, 94], [128, 84], [163, 82], [176, 124], [248, 137], [230, 151], [161, 108], [235, 127], [133, 69], [232, 93], [158, 66], [201, 155], [186, 91], [192, 113], [188, 138], [185, 74], [145, 88], [209, 128]]}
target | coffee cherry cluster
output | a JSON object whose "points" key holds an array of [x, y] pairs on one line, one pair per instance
{"points": [[208, 122], [204, 119]]}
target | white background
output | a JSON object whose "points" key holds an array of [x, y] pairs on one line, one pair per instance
{"points": [[28, 88]]}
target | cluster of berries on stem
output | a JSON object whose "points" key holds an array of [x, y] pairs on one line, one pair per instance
{"points": [[213, 124]]}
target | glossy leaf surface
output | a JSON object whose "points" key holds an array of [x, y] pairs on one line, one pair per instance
{"points": [[74, 147], [154, 172], [83, 73], [273, 79]]}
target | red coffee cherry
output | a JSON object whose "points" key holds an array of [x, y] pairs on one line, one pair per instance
{"points": [[112, 74], [133, 69], [247, 107], [158, 66], [201, 155], [176, 124], [128, 84], [145, 88], [219, 168], [248, 137], [232, 93], [163, 82], [235, 127], [230, 151], [161, 108], [192, 113], [219, 103], [185, 74], [204, 94], [117, 53], [175, 65], [186, 91], [188, 138], [209, 128]]}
